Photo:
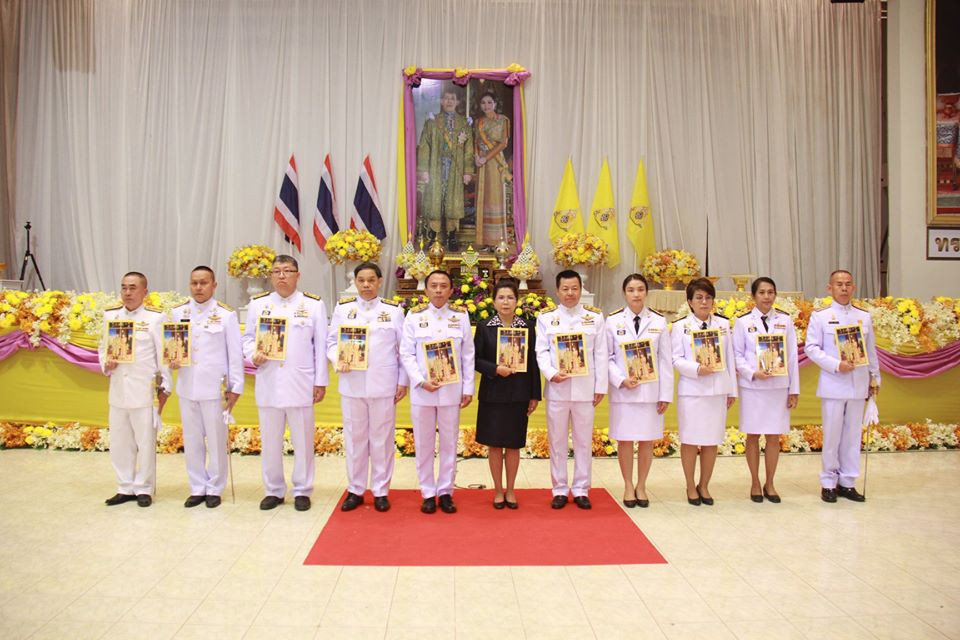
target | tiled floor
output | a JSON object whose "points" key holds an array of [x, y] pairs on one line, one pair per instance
{"points": [[72, 568]]}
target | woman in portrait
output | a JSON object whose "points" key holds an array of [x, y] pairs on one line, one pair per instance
{"points": [[492, 133], [507, 397]]}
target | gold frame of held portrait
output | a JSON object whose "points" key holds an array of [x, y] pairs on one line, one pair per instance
{"points": [[854, 330], [780, 340], [934, 217], [348, 334], [584, 366], [130, 340], [454, 359], [721, 361], [177, 329], [635, 345], [523, 333], [271, 353]]}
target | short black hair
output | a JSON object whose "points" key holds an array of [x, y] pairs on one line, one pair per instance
{"points": [[568, 274], [836, 271], [204, 267], [700, 284], [635, 276], [142, 277], [755, 285], [367, 265], [507, 283], [285, 259], [441, 272]]}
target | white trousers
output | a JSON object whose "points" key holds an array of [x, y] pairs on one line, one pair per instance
{"points": [[205, 446], [300, 420], [427, 421], [562, 418], [842, 420], [369, 426], [133, 450]]}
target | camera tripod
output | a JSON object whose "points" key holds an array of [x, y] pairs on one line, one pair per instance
{"points": [[28, 255]]}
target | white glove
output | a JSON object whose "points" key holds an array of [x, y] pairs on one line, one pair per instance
{"points": [[871, 414], [157, 422], [228, 418]]}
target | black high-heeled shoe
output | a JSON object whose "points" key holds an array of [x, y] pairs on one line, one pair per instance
{"points": [[694, 501], [772, 497], [706, 501], [756, 497]]}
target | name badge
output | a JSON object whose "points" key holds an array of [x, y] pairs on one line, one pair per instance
{"points": [[587, 321], [833, 322], [654, 331], [780, 326]]}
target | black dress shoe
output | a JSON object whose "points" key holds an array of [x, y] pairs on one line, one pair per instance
{"points": [[380, 503], [301, 503], [270, 502], [193, 501], [850, 493], [643, 504], [772, 497], [429, 505], [213, 501], [351, 502], [511, 505], [446, 504], [582, 501], [756, 497], [558, 502], [828, 495], [694, 501], [499, 505], [144, 500], [119, 498], [706, 501], [630, 504]]}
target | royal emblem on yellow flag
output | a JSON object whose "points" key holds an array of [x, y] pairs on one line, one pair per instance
{"points": [[566, 212], [603, 216], [639, 223]]}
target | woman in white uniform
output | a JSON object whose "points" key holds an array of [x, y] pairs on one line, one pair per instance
{"points": [[707, 387], [641, 390], [769, 382]]}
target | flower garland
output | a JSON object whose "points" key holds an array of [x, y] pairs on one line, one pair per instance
{"points": [[669, 265], [352, 244], [251, 261], [573, 249]]}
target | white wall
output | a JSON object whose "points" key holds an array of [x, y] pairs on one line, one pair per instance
{"points": [[911, 274]]}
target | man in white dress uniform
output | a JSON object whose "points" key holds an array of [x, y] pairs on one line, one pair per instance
{"points": [[843, 388], [287, 389], [133, 426]]}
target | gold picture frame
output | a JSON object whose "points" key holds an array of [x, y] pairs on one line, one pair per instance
{"points": [[352, 344], [707, 346], [571, 354], [851, 346], [512, 348], [272, 337], [640, 362], [772, 353], [121, 345], [176, 344], [443, 366]]}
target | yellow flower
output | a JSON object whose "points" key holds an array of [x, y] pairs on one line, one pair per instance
{"points": [[915, 329], [465, 288], [482, 285], [484, 314], [608, 449]]}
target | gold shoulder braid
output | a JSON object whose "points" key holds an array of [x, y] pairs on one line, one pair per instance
{"points": [[312, 296]]}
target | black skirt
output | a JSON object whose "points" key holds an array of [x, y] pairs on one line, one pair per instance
{"points": [[502, 424]]}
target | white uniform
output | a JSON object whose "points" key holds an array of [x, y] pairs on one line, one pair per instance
{"points": [[633, 412], [216, 358], [702, 401], [366, 397], [841, 395], [763, 403], [439, 410], [284, 389], [133, 439], [570, 403]]}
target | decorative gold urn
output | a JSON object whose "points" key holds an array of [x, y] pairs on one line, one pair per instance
{"points": [[502, 252], [436, 254], [469, 260], [742, 280]]}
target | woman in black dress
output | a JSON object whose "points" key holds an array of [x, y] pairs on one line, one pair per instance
{"points": [[507, 397]]}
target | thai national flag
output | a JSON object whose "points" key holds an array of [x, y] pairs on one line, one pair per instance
{"points": [[365, 213], [287, 210], [325, 220]]}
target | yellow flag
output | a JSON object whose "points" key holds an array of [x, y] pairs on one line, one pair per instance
{"points": [[639, 222], [603, 216], [566, 211]]}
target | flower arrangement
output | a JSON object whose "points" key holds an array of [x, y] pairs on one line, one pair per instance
{"points": [[467, 445], [473, 293], [352, 244], [670, 265], [527, 263], [573, 249], [532, 305], [251, 261], [406, 256], [420, 267], [405, 443], [602, 445], [942, 315], [46, 312], [899, 320]]}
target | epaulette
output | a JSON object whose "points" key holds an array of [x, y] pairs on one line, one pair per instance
{"points": [[656, 313], [720, 315], [260, 295], [593, 309], [177, 306], [312, 296], [345, 299], [855, 305], [114, 307], [457, 307], [419, 308], [676, 320], [392, 303], [224, 305], [613, 313], [745, 313], [154, 309]]}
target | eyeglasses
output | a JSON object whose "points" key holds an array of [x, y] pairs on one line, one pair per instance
{"points": [[702, 299], [283, 273]]}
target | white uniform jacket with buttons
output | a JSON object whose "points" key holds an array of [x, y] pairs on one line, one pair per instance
{"points": [[722, 383], [215, 352], [745, 332], [618, 329], [821, 347], [579, 319], [290, 383], [384, 322], [132, 384], [427, 323]]}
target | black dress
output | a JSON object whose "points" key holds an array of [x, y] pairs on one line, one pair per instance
{"points": [[503, 401]]}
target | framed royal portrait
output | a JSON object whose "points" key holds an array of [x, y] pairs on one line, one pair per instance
{"points": [[462, 156], [176, 344], [708, 348], [850, 345], [571, 354], [120, 343], [943, 114], [640, 363], [512, 348], [352, 347], [272, 337], [440, 357], [772, 353]]}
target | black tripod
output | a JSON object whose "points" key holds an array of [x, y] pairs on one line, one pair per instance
{"points": [[28, 255]]}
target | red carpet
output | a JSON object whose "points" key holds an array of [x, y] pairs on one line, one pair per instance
{"points": [[478, 534]]}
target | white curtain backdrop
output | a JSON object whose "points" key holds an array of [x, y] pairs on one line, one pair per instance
{"points": [[153, 135]]}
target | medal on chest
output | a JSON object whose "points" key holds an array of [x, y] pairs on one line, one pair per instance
{"points": [[383, 317], [302, 312]]}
